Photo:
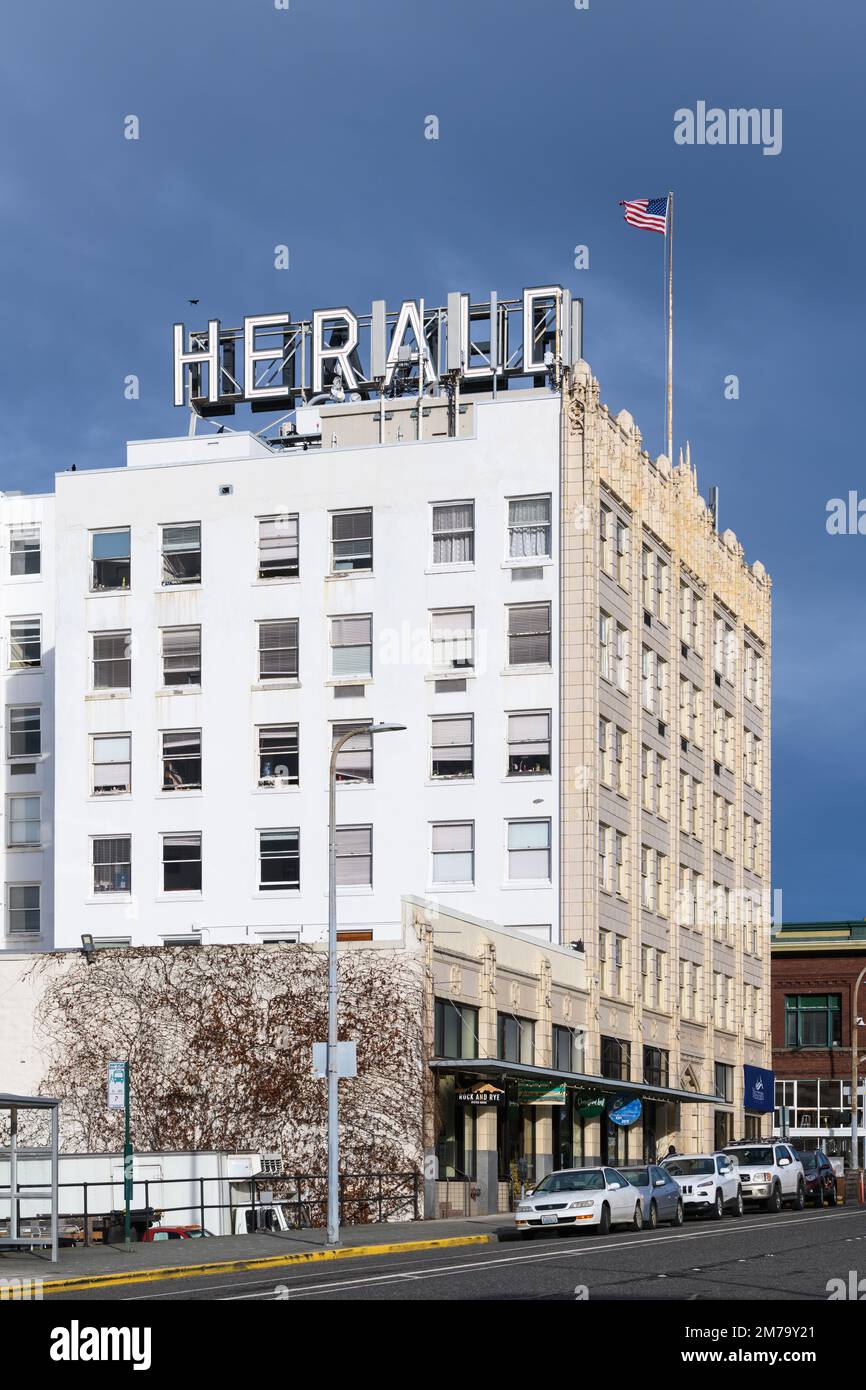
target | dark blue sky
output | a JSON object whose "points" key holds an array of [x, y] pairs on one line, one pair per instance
{"points": [[305, 127]]}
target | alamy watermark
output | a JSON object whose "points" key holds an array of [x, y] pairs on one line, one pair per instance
{"points": [[736, 126]]}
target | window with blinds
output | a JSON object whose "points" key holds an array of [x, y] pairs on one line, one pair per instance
{"points": [[181, 863], [452, 636], [25, 550], [23, 821], [278, 755], [278, 650], [24, 731], [25, 643], [355, 758], [181, 760], [354, 856], [352, 540], [278, 547], [529, 743], [451, 741], [529, 849], [529, 635], [453, 850], [23, 909], [111, 760], [352, 647], [279, 860], [112, 663], [453, 533], [181, 554], [181, 656], [529, 528], [112, 864]]}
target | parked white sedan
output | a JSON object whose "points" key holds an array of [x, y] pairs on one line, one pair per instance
{"points": [[599, 1197]]}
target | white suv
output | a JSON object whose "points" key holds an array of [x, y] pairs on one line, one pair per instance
{"points": [[770, 1173], [709, 1183]]}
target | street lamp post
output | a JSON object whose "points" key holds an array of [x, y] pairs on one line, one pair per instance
{"points": [[333, 997], [855, 1061]]}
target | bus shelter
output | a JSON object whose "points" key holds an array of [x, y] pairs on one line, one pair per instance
{"points": [[29, 1232]]}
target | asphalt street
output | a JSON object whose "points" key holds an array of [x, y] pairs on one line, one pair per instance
{"points": [[791, 1256]]}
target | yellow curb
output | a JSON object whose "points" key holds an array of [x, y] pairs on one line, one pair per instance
{"points": [[349, 1252]]}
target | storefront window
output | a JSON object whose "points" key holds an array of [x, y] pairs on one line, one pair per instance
{"points": [[455, 1030], [455, 1137]]}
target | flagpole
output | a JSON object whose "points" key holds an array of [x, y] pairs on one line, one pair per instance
{"points": [[669, 240]]}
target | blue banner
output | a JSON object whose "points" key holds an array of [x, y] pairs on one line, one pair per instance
{"points": [[759, 1089], [624, 1112]]}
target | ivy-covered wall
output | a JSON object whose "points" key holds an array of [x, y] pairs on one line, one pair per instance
{"points": [[219, 1041]]}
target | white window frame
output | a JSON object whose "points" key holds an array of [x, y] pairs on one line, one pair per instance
{"points": [[34, 619], [439, 854], [110, 892], [11, 799], [514, 527], [277, 888], [458, 638], [287, 520], [452, 533], [343, 856], [343, 571], [440, 719], [22, 935], [358, 676], [21, 757], [114, 588], [94, 638], [278, 677], [193, 628], [24, 531], [173, 583], [95, 739]]}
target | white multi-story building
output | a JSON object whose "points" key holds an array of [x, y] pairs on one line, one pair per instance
{"points": [[581, 662]]}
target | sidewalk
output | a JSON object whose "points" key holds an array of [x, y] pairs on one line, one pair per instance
{"points": [[109, 1262]]}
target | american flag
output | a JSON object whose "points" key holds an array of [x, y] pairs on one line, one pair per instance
{"points": [[649, 213]]}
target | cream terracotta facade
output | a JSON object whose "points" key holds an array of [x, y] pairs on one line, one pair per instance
{"points": [[603, 465]]}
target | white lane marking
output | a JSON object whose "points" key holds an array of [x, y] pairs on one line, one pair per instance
{"points": [[471, 1263]]}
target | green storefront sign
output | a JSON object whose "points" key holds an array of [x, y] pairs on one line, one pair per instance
{"points": [[532, 1091], [589, 1106]]}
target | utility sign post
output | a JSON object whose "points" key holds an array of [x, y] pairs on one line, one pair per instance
{"points": [[118, 1099]]}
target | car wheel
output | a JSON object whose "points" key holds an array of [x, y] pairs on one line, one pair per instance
{"points": [[604, 1223], [638, 1217], [718, 1207], [653, 1216], [737, 1208], [774, 1201], [800, 1200], [834, 1196], [680, 1216]]}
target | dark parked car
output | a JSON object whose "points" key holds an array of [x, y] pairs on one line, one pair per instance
{"points": [[820, 1178]]}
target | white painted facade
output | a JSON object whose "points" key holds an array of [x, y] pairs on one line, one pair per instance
{"points": [[510, 448]]}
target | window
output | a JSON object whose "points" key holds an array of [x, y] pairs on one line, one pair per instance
{"points": [[25, 643], [652, 964], [529, 634], [654, 672], [655, 1066], [605, 649], [181, 656], [452, 634], [112, 864], [352, 541], [691, 616], [23, 909], [23, 821], [278, 650], [724, 1081], [355, 758], [813, 1020], [354, 856], [604, 859], [620, 658], [654, 583], [615, 1059], [605, 527], [455, 1029], [529, 743], [181, 863], [620, 552], [181, 554], [453, 533], [529, 528], [451, 748], [279, 860], [25, 550], [25, 731], [112, 663], [278, 755], [278, 547], [352, 647], [110, 559], [619, 761], [112, 764], [515, 1039], [453, 848], [604, 751], [620, 882], [564, 1050], [181, 759], [528, 849], [724, 648]]}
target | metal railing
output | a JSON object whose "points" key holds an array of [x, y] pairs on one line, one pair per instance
{"points": [[302, 1199]]}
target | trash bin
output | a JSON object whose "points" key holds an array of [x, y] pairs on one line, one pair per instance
{"points": [[113, 1225]]}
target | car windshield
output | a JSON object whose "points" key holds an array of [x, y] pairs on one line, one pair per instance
{"points": [[809, 1162], [688, 1167], [580, 1180], [638, 1177], [746, 1156]]}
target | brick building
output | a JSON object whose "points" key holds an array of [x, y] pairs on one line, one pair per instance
{"points": [[815, 969]]}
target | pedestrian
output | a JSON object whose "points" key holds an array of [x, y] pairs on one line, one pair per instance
{"points": [[672, 1150]]}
